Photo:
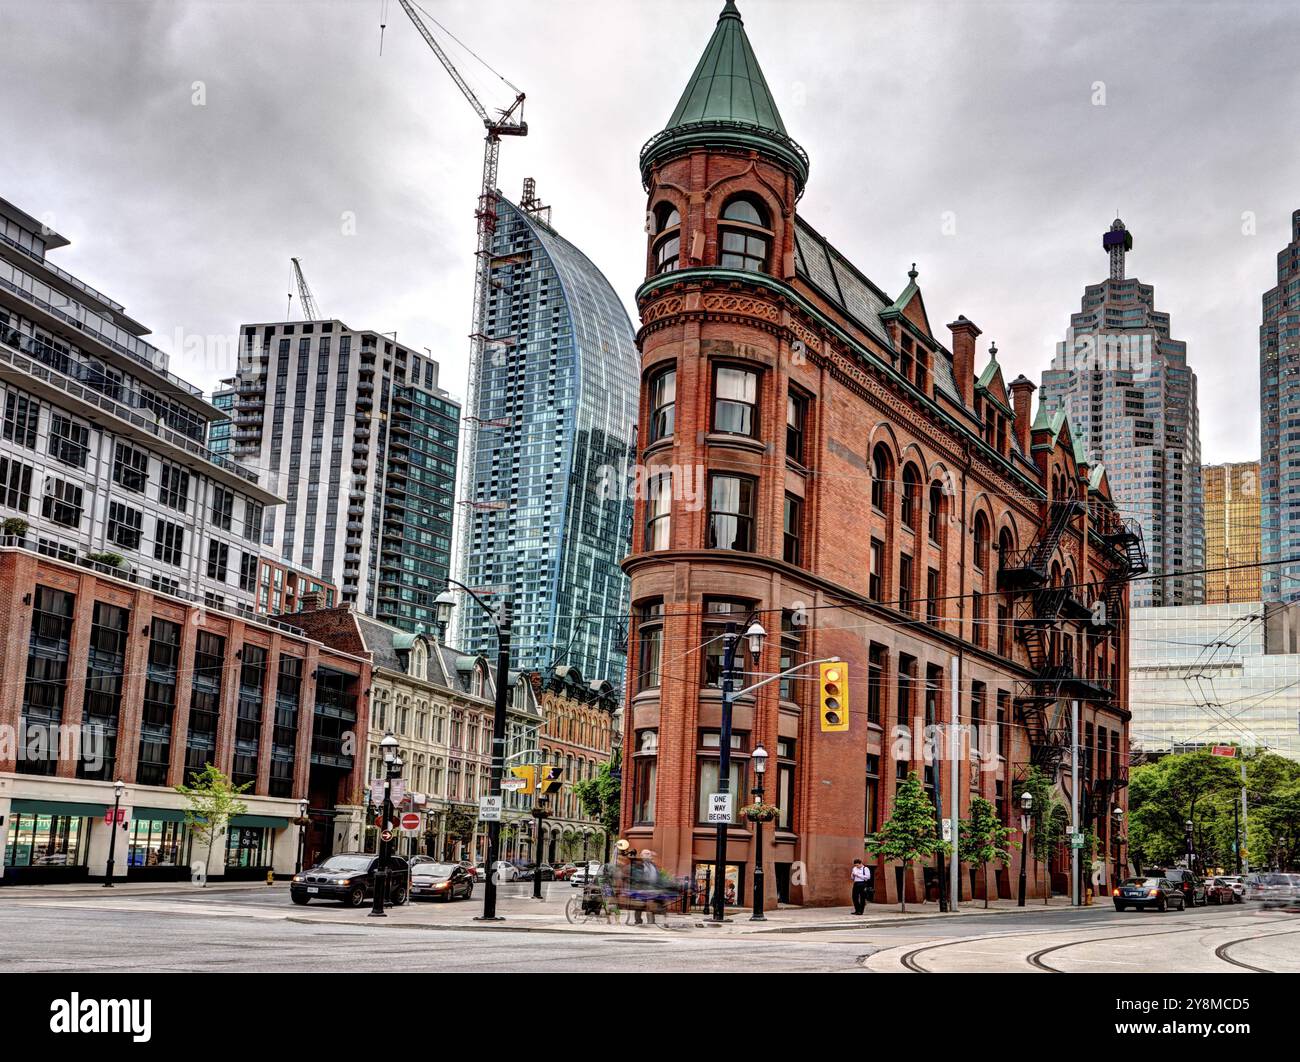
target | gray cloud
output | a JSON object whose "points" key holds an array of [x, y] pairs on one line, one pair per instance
{"points": [[189, 214]]}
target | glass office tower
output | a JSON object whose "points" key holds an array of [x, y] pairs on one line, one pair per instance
{"points": [[556, 408]]}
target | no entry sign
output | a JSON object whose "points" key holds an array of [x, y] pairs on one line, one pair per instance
{"points": [[410, 822]]}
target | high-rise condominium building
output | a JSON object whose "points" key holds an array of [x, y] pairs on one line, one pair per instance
{"points": [[556, 401], [1232, 539], [1131, 399], [1279, 423], [222, 430], [104, 453], [365, 441]]}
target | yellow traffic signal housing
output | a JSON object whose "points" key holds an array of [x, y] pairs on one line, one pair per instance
{"points": [[529, 774], [550, 783], [834, 690]]}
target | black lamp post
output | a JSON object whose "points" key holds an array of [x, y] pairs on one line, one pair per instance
{"points": [[754, 634], [1191, 858], [540, 813], [759, 759], [1026, 806], [302, 834], [1117, 818], [500, 617], [392, 764], [119, 787]]}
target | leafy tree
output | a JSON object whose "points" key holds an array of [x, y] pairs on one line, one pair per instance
{"points": [[601, 796], [1047, 819], [1165, 795], [213, 802], [984, 839], [458, 827], [910, 834]]}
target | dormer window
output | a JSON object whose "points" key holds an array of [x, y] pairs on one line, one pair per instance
{"points": [[744, 236], [668, 238]]}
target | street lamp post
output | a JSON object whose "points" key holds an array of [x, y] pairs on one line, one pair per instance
{"points": [[388, 746], [302, 834], [759, 757], [1118, 816], [540, 812], [754, 634], [119, 787], [1026, 806], [1191, 855], [500, 617]]}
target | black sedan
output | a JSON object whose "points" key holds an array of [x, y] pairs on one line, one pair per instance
{"points": [[441, 881], [527, 870], [350, 878], [1160, 893]]}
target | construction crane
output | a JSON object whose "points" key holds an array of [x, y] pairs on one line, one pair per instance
{"points": [[310, 311], [507, 122]]}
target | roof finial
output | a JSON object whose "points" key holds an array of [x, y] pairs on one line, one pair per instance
{"points": [[912, 273], [729, 10], [993, 351]]}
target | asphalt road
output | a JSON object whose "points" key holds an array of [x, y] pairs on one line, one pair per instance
{"points": [[256, 929]]}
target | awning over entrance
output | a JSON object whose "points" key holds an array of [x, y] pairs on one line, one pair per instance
{"points": [[57, 807], [259, 820], [158, 814]]}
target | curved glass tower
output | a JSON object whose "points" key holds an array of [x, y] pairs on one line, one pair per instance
{"points": [[557, 407]]}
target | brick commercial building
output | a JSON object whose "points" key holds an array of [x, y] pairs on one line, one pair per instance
{"points": [[814, 456], [126, 682]]}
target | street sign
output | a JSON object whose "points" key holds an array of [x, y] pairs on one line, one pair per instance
{"points": [[719, 807], [489, 808], [108, 816], [410, 822], [386, 836], [377, 791], [947, 830], [1224, 750], [1076, 840], [513, 785]]}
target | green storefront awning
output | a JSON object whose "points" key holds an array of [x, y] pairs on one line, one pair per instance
{"points": [[57, 807], [259, 820], [157, 815]]}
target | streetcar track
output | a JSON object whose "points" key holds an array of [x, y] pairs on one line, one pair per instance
{"points": [[909, 960], [1221, 952]]}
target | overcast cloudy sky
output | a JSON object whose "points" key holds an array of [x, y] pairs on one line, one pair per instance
{"points": [[990, 111]]}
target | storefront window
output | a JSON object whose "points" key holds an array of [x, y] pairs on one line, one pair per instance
{"points": [[704, 884], [246, 846], [157, 844], [46, 841]]}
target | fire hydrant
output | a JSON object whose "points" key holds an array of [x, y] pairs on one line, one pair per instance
{"points": [[1088, 898], [270, 877]]}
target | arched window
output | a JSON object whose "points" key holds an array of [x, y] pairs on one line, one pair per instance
{"points": [[935, 516], [1006, 546], [744, 236], [911, 500], [882, 471], [981, 542], [668, 238]]}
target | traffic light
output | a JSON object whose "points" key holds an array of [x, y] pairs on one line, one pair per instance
{"points": [[550, 780], [529, 775], [834, 685]]}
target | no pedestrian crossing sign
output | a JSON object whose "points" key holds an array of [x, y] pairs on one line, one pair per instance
{"points": [[719, 807], [489, 808]]}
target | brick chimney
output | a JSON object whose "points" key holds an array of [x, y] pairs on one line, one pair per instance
{"points": [[1022, 400], [312, 601], [964, 333]]}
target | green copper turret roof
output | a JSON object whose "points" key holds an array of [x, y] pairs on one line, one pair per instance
{"points": [[728, 85], [727, 103]]}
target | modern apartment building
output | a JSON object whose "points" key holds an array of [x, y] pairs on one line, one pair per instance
{"points": [[104, 453], [1279, 423], [366, 441], [220, 436], [550, 516], [1131, 399], [1232, 532]]}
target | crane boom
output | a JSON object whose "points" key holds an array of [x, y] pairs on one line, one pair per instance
{"points": [[310, 312], [509, 123]]}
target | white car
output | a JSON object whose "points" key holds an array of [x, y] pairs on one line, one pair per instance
{"points": [[505, 871], [583, 875], [1238, 886]]}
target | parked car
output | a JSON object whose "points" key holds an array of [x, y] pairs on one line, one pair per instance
{"points": [[350, 878], [418, 860], [1193, 887], [1274, 890], [441, 881], [1238, 884], [565, 872], [590, 873], [505, 871], [1219, 891], [527, 870], [1144, 892]]}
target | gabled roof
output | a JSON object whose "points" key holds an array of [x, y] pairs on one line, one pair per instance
{"points": [[911, 305], [991, 383]]}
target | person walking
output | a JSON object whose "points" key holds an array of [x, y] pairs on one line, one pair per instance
{"points": [[861, 882]]}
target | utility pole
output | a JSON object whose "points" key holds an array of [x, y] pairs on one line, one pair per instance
{"points": [[936, 771], [1074, 801], [1245, 823], [954, 750]]}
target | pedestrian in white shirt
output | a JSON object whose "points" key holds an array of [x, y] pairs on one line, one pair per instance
{"points": [[861, 879]]}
